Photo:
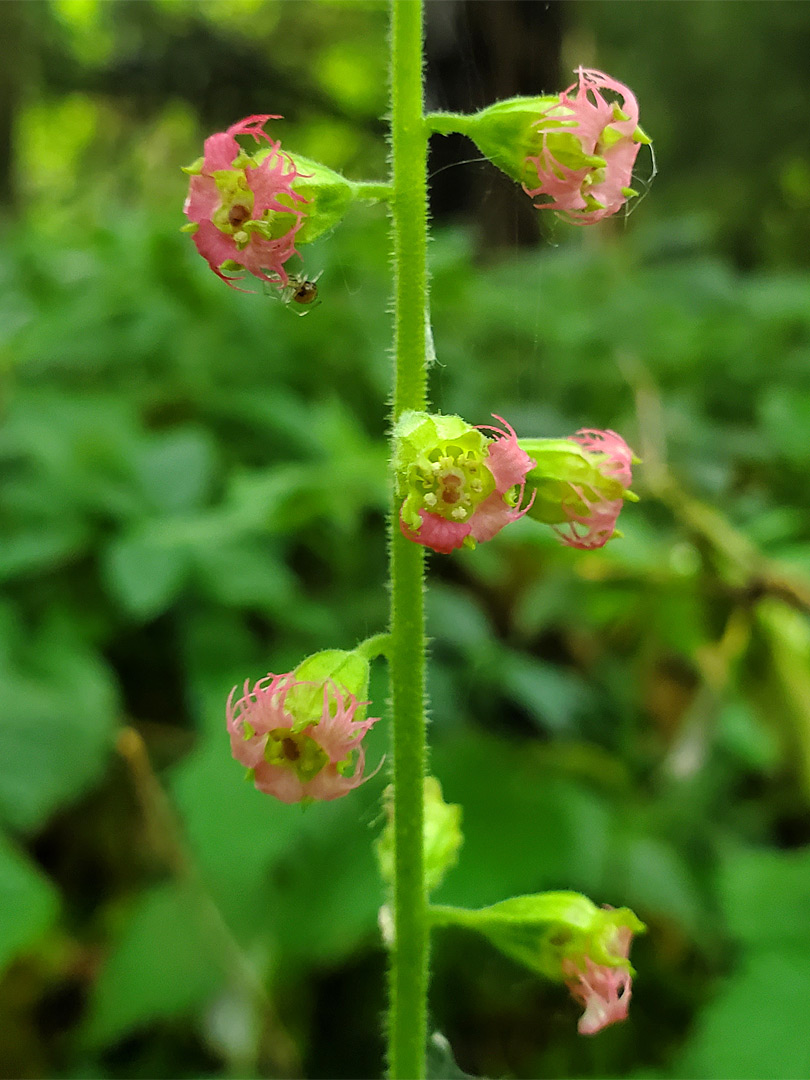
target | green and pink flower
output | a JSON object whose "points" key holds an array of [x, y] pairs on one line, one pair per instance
{"points": [[459, 485], [301, 740], [588, 150], [242, 209]]}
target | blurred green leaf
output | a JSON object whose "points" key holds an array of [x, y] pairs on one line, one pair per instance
{"points": [[164, 964], [656, 879], [145, 572], [755, 1028], [454, 618], [766, 896], [235, 832], [553, 698], [325, 896], [785, 414], [27, 549], [526, 829], [245, 573], [58, 712], [175, 469], [28, 902]]}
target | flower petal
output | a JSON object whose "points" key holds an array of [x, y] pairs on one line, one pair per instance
{"points": [[220, 151], [437, 532]]}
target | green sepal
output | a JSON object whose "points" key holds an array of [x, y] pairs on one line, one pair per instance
{"points": [[348, 670], [591, 203], [329, 195], [545, 930], [419, 434], [507, 134], [442, 835], [561, 465], [195, 168], [190, 227], [610, 136], [421, 440]]}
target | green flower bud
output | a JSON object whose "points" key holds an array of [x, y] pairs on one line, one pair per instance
{"points": [[442, 836]]}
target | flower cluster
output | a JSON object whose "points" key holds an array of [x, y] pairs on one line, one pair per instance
{"points": [[588, 149], [300, 734], [300, 739], [243, 210], [459, 486]]}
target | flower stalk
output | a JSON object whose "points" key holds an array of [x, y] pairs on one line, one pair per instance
{"points": [[408, 973]]}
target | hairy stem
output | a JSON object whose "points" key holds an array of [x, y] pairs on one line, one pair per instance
{"points": [[408, 976], [371, 191], [375, 646]]}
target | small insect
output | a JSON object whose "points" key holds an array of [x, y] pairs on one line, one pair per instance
{"points": [[302, 291]]}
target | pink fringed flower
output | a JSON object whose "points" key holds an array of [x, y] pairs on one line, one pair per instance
{"points": [[594, 507], [244, 208], [603, 990], [300, 739], [589, 148], [463, 493]]}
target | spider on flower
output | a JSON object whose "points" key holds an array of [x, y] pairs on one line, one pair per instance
{"points": [[303, 292]]}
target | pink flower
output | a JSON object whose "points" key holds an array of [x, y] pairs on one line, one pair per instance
{"points": [[454, 484], [235, 199], [300, 739], [589, 147], [594, 506], [603, 990]]}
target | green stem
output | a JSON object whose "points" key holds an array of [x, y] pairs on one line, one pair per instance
{"points": [[447, 123], [375, 646], [408, 975], [444, 915], [371, 191]]}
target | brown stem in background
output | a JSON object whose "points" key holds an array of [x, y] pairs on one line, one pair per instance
{"points": [[166, 838], [769, 597], [744, 565]]}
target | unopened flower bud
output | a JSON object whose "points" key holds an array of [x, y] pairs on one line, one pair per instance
{"points": [[442, 836]]}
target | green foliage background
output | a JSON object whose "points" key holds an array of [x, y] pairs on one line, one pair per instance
{"points": [[193, 487]]}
